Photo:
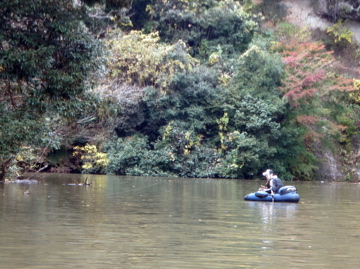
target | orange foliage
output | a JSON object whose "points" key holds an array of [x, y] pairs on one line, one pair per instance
{"points": [[312, 137], [341, 127], [306, 120], [306, 66], [309, 80]]}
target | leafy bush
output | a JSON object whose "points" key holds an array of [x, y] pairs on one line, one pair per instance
{"points": [[93, 161], [194, 100], [258, 72], [176, 154], [140, 59], [255, 138], [125, 154], [339, 33], [203, 25]]}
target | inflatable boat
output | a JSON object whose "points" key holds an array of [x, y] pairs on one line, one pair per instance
{"points": [[286, 194]]}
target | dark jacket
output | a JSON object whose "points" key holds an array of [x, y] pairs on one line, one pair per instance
{"points": [[276, 184]]}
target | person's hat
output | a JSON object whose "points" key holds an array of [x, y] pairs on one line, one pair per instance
{"points": [[268, 172]]}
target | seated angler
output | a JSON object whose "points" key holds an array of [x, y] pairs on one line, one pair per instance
{"points": [[273, 183]]}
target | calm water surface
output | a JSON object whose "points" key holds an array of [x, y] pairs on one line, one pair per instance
{"points": [[142, 222]]}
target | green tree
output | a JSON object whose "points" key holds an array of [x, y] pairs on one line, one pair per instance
{"points": [[195, 101], [203, 25], [46, 56]]}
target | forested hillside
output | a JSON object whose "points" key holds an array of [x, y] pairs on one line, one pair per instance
{"points": [[183, 88]]}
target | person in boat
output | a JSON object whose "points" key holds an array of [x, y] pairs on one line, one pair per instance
{"points": [[273, 183]]}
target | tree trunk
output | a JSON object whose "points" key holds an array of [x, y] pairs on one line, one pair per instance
{"points": [[4, 165]]}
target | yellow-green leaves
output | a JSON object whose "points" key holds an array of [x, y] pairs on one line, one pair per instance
{"points": [[355, 95], [91, 157], [140, 59], [339, 32]]}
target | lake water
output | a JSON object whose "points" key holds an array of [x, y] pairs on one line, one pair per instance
{"points": [[146, 222]]}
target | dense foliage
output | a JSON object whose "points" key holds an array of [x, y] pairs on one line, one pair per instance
{"points": [[204, 25], [219, 118], [46, 57], [190, 88]]}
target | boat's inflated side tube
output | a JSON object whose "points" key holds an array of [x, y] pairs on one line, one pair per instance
{"points": [[287, 189], [261, 194]]}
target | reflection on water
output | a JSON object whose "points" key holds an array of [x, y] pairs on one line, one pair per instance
{"points": [[270, 212], [137, 222]]}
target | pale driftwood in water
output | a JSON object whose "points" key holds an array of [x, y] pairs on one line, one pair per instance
{"points": [[42, 168], [86, 182], [82, 184]]}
